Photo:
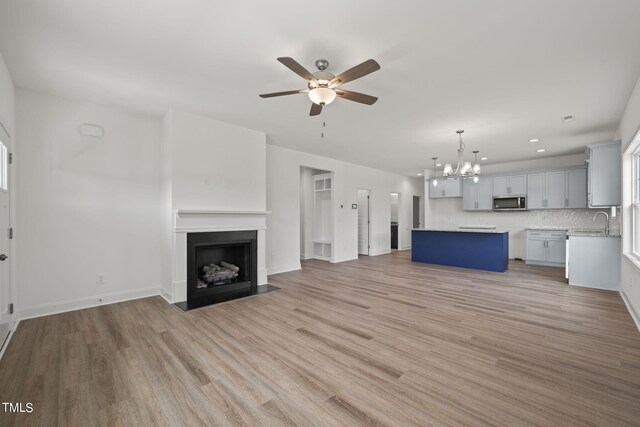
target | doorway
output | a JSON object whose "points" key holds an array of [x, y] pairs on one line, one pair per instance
{"points": [[364, 222], [6, 313], [395, 215], [416, 212]]}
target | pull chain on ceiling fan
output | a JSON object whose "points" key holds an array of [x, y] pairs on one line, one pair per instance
{"points": [[322, 84]]}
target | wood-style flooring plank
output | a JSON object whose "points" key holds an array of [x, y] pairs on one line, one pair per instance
{"points": [[375, 341]]}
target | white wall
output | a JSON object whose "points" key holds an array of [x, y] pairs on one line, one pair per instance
{"points": [[283, 199], [215, 165], [86, 206], [448, 212], [627, 130]]}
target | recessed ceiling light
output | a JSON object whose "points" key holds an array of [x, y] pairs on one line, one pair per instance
{"points": [[483, 158], [569, 118], [419, 174], [534, 140], [540, 150], [439, 164]]}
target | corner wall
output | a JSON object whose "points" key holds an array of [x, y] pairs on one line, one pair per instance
{"points": [[86, 206], [283, 200]]}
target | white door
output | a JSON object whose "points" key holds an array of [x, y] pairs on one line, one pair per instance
{"points": [[6, 318], [364, 219]]}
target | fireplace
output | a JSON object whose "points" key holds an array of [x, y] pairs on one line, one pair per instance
{"points": [[221, 266]]}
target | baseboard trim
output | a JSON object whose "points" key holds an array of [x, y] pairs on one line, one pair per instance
{"points": [[384, 252], [337, 260], [632, 311], [166, 295], [283, 269], [6, 344], [82, 303]]}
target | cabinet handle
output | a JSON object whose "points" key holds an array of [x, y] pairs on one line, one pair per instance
{"points": [[566, 202], [509, 190], [442, 193]]}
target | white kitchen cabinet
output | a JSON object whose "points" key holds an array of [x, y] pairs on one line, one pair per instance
{"points": [[604, 175], [509, 185], [546, 190], [546, 247], [536, 192], [477, 196], [555, 190], [576, 189], [594, 261], [446, 188]]}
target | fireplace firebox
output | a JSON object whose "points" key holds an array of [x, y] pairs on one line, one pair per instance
{"points": [[220, 266]]}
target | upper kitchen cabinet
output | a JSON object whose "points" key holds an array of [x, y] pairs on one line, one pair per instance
{"points": [[510, 185], [546, 190], [446, 188], [576, 189], [604, 177], [477, 196]]}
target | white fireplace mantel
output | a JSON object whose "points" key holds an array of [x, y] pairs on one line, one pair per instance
{"points": [[203, 221]]}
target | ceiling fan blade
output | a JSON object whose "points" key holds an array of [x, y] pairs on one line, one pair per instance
{"points": [[291, 64], [367, 67], [356, 96], [315, 109], [289, 92]]}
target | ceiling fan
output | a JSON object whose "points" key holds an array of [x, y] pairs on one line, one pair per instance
{"points": [[322, 84]]}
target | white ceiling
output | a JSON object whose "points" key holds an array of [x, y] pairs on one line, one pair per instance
{"points": [[505, 71]]}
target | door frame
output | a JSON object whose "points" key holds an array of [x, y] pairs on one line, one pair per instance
{"points": [[11, 247], [368, 222]]}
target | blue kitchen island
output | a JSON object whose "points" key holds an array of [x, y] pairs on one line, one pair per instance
{"points": [[481, 249]]}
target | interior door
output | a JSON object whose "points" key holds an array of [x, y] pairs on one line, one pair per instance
{"points": [[416, 212], [6, 318], [364, 219]]}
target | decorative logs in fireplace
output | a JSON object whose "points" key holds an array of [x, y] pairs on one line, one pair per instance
{"points": [[214, 274]]}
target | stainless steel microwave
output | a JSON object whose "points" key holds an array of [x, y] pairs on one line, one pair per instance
{"points": [[509, 203]]}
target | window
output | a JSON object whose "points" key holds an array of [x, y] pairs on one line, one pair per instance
{"points": [[634, 199]]}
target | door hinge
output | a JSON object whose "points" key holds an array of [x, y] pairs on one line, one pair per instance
{"points": [[11, 308], [10, 158], [11, 233]]}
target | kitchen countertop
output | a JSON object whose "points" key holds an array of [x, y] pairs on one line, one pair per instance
{"points": [[550, 228], [590, 233], [464, 230]]}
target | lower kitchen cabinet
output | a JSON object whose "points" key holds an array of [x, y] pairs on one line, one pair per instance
{"points": [[546, 247]]}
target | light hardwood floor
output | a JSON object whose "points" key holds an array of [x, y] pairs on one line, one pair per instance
{"points": [[376, 341]]}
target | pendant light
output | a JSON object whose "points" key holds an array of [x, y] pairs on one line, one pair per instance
{"points": [[463, 169], [435, 180]]}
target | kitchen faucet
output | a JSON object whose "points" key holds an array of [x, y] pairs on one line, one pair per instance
{"points": [[606, 224]]}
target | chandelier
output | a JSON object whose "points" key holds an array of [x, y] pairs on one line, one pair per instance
{"points": [[463, 169]]}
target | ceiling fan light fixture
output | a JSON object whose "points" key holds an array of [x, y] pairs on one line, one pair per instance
{"points": [[322, 95]]}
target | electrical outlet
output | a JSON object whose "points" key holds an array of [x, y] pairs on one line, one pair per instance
{"points": [[100, 279]]}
